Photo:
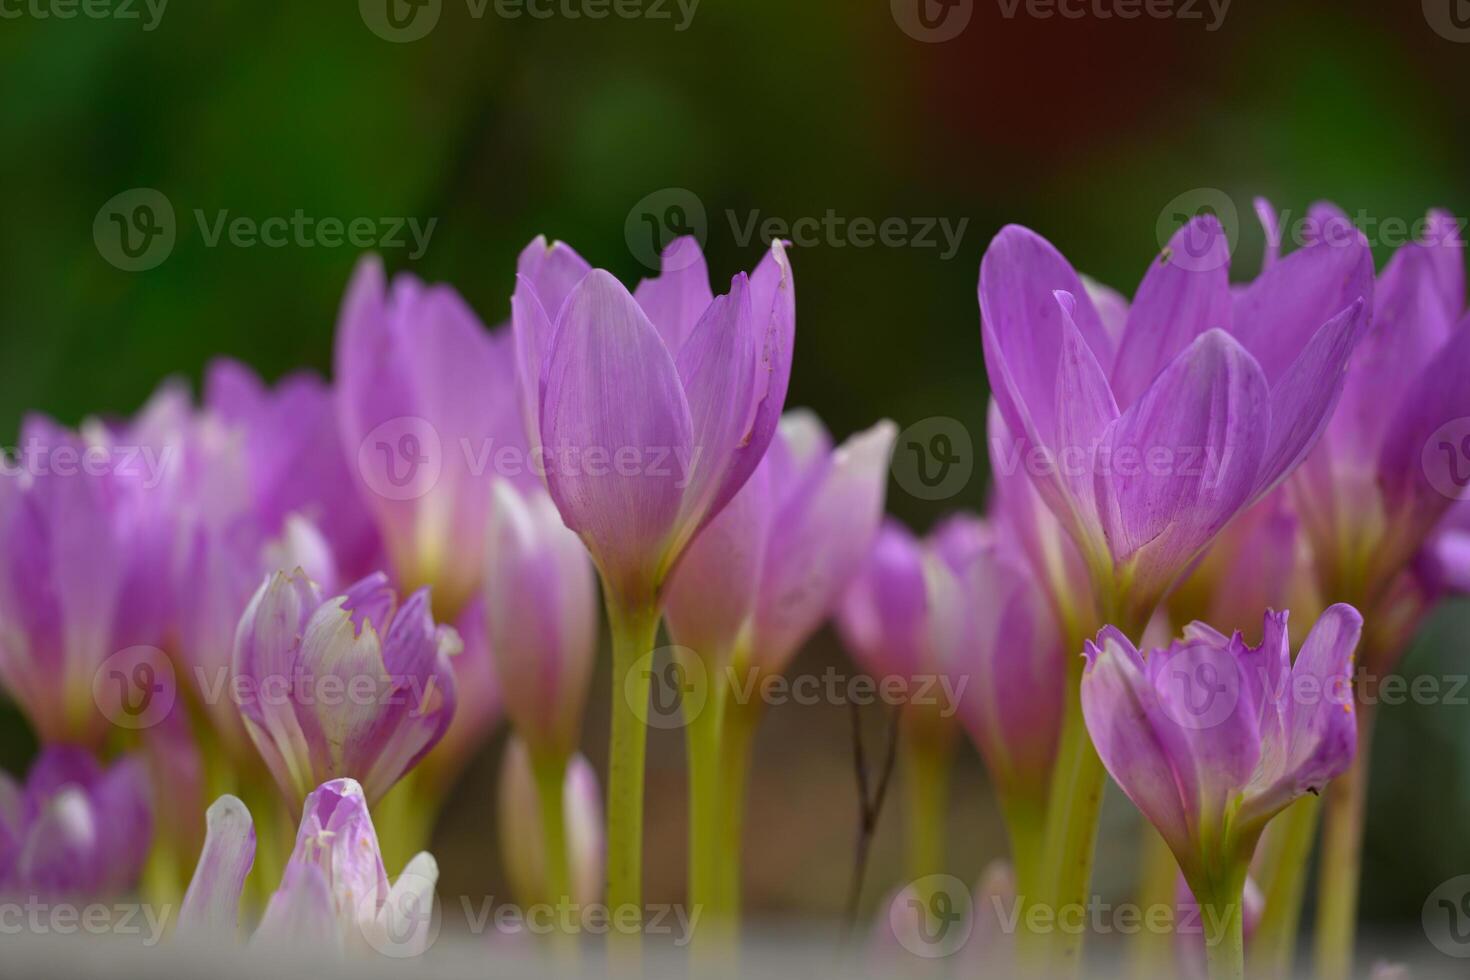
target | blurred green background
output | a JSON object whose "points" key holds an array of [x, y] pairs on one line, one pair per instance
{"points": [[501, 129]]}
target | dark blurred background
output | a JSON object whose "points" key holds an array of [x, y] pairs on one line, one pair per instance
{"points": [[500, 128]]}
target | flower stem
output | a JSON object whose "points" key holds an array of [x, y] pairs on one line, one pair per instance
{"points": [[736, 742], [1224, 924], [1152, 952], [929, 756], [550, 774], [1282, 875], [706, 806], [1342, 852], [634, 629], [549, 771]]}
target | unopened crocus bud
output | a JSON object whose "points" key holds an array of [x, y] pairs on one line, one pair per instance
{"points": [[522, 846], [353, 685], [1008, 662], [540, 596], [652, 409], [334, 893], [427, 404], [74, 830], [1211, 738]]}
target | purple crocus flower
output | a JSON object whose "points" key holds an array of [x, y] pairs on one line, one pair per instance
{"points": [[652, 409], [427, 405], [74, 830], [334, 892], [1211, 738], [84, 547], [540, 598], [1369, 496], [1145, 447], [353, 685], [766, 573], [522, 844]]}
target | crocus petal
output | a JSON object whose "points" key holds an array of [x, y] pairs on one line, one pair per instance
{"points": [[553, 271], [300, 913], [1438, 396], [1013, 670], [712, 592], [611, 385], [1120, 706], [1271, 225], [1303, 400], [404, 925], [1022, 327], [1210, 725], [1177, 301], [1084, 411], [212, 903], [717, 368], [60, 853], [818, 539], [1320, 729], [417, 360], [1207, 419], [677, 298], [1278, 314], [1447, 248], [883, 618]]}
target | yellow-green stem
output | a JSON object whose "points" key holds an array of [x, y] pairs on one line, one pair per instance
{"points": [[736, 743], [549, 770], [1073, 804], [929, 755], [1342, 844], [634, 629], [706, 808], [1225, 936], [1281, 873], [404, 819], [1152, 952]]}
